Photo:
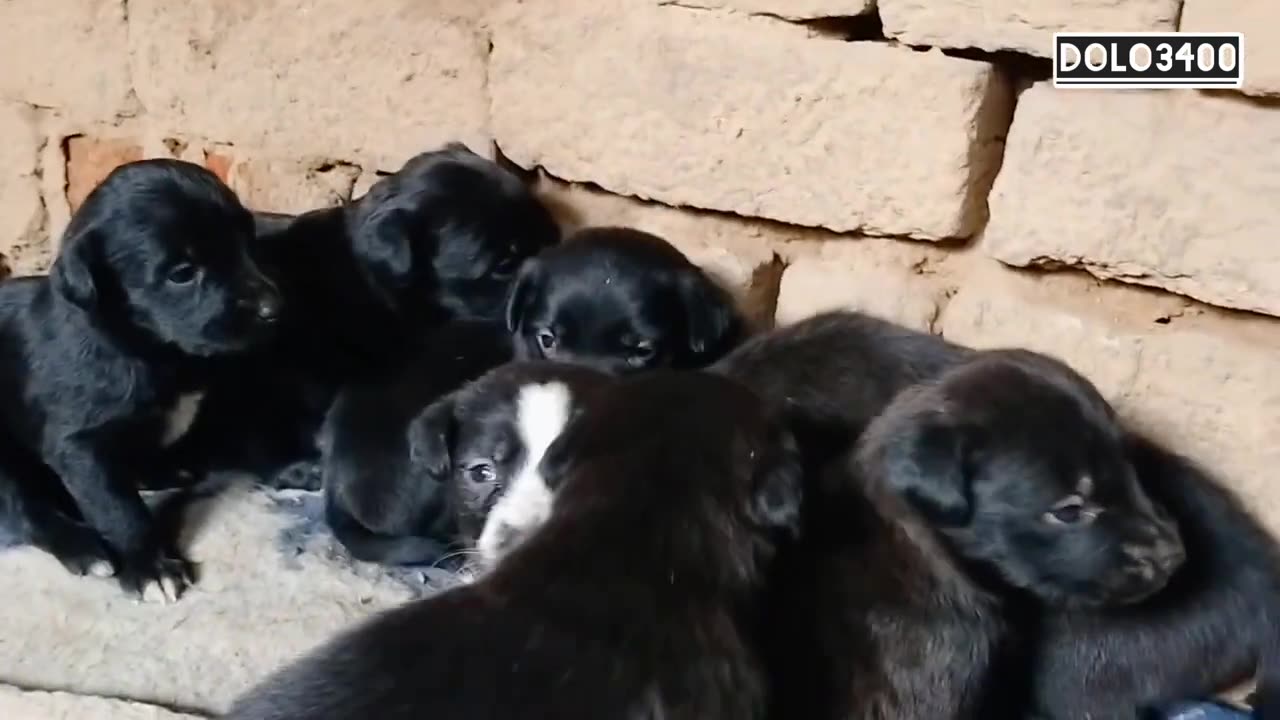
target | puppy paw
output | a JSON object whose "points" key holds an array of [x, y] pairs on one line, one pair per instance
{"points": [[82, 553], [158, 580], [303, 475]]}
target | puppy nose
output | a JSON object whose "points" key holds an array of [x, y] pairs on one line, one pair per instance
{"points": [[266, 306], [1169, 554]]}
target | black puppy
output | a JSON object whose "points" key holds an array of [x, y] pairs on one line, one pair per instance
{"points": [[103, 361], [440, 240], [394, 493], [621, 300], [632, 601], [834, 372], [1215, 625], [999, 491]]}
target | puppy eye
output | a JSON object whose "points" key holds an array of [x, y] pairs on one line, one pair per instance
{"points": [[546, 339], [640, 353], [481, 473], [1070, 512], [182, 273]]}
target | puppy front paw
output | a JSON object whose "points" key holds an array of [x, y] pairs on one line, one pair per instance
{"points": [[157, 579], [82, 553]]}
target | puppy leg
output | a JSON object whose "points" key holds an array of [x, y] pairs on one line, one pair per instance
{"points": [[34, 509], [369, 546], [301, 475], [112, 506]]}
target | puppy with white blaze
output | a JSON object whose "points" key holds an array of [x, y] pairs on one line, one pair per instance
{"points": [[637, 599], [445, 467]]}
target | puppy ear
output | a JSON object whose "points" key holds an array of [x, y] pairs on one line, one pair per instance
{"points": [[527, 286], [382, 241], [75, 271], [779, 492], [430, 439], [712, 317], [925, 463]]}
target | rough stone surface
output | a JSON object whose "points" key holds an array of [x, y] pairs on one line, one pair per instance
{"points": [[1199, 379], [1023, 25], [748, 115], [18, 704], [1165, 188], [1259, 20], [90, 160], [22, 218], [291, 187], [69, 54], [740, 253], [325, 79], [789, 9], [887, 278], [272, 586]]}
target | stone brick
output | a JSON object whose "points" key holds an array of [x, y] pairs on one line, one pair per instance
{"points": [[887, 278], [789, 9], [69, 54], [23, 249], [1200, 379], [748, 115], [18, 704], [738, 252], [291, 187], [1173, 189], [90, 160], [323, 79], [1026, 26], [1259, 20]]}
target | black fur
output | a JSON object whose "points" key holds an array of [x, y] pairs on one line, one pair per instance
{"points": [[621, 300], [440, 240], [152, 287], [926, 566], [834, 372], [381, 504], [630, 602], [1215, 625]]}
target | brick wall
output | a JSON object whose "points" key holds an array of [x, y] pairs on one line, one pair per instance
{"points": [[902, 157]]}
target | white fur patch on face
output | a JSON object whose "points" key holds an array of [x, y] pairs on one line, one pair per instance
{"points": [[541, 414], [180, 417]]}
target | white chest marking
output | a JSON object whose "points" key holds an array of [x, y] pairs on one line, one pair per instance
{"points": [[541, 414], [180, 417]]}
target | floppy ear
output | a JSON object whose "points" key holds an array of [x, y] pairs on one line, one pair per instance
{"points": [[779, 493], [925, 463], [382, 241], [712, 315], [430, 439], [527, 286], [75, 271]]}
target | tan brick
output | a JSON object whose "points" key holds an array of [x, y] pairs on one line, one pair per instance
{"points": [[1166, 188], [324, 79], [1023, 25], [291, 187], [748, 115], [789, 9], [887, 278], [23, 249], [1259, 20], [739, 252], [67, 54], [90, 160], [1200, 379]]}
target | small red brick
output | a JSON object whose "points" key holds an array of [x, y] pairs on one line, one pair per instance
{"points": [[90, 160]]}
